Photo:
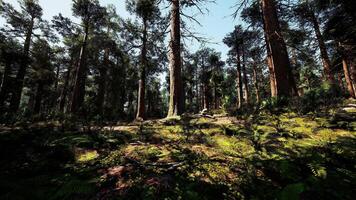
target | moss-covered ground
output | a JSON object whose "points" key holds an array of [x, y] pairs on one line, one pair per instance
{"points": [[267, 156]]}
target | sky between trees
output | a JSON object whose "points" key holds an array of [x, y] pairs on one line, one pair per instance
{"points": [[214, 24]]}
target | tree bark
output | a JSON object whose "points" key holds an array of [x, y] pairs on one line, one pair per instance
{"points": [[206, 103], [255, 83], [142, 82], [340, 81], [6, 80], [353, 74], [80, 77], [323, 52], [102, 81], [19, 81], [63, 97], [175, 97], [216, 103], [101, 88], [245, 79], [278, 50], [347, 74], [239, 80], [38, 98]]}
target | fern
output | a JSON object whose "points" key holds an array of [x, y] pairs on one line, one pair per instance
{"points": [[318, 170], [74, 187]]}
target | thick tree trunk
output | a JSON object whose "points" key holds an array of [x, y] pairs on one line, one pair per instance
{"points": [[142, 82], [323, 52], [80, 77], [239, 80], [278, 50], [19, 81], [347, 74], [175, 97], [269, 60]]}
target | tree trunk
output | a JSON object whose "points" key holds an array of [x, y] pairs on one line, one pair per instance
{"points": [[175, 97], [123, 93], [239, 80], [216, 104], [63, 97], [245, 79], [353, 74], [347, 74], [19, 81], [142, 82], [255, 83], [80, 77], [340, 81], [206, 97], [323, 52], [6, 81], [278, 50], [38, 98], [269, 60], [101, 88]]}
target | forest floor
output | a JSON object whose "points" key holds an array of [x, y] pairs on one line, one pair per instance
{"points": [[266, 156]]}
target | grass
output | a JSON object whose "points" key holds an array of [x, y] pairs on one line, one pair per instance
{"points": [[284, 156]]}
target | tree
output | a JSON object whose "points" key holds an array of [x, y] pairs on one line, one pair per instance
{"points": [[70, 34], [234, 40], [11, 55], [306, 10], [106, 39], [91, 14], [340, 28], [42, 74], [148, 11], [175, 106], [278, 60], [22, 24]]}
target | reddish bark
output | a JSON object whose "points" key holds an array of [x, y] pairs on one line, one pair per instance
{"points": [[281, 70], [175, 97]]}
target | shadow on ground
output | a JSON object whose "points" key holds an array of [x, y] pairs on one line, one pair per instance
{"points": [[265, 157]]}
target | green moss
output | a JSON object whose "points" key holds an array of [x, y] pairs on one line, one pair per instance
{"points": [[87, 156], [265, 129]]}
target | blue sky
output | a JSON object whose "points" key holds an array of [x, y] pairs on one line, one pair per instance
{"points": [[215, 24]]}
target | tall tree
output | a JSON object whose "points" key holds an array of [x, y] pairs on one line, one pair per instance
{"points": [[91, 14], [276, 47], [148, 12], [10, 57], [307, 12], [234, 40], [175, 98], [42, 74], [22, 24]]}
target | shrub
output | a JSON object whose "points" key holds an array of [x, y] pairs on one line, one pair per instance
{"points": [[325, 96]]}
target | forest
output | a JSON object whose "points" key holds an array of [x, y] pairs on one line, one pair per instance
{"points": [[100, 106]]}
